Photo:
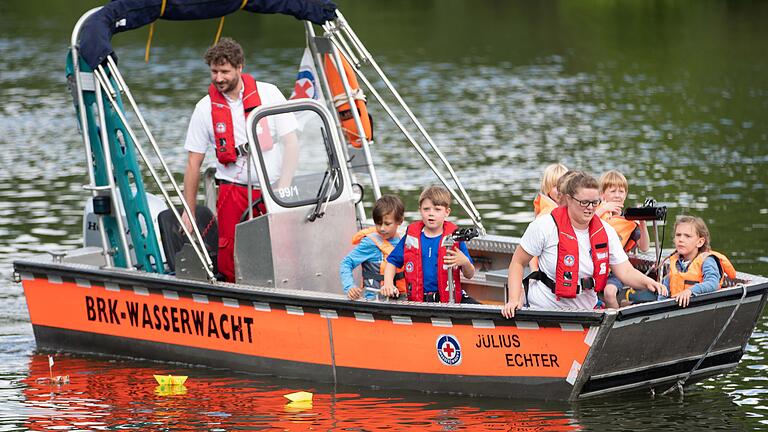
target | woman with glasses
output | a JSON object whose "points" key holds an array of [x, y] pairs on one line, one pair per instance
{"points": [[576, 252]]}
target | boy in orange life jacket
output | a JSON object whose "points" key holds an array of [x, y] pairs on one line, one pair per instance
{"points": [[548, 196], [373, 247], [613, 192], [426, 261], [694, 268]]}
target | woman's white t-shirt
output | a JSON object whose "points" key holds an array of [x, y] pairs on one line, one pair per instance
{"points": [[200, 137], [541, 240]]}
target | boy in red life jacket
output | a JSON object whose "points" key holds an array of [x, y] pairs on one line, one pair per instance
{"points": [[613, 192], [425, 259], [694, 268], [374, 245], [218, 122]]}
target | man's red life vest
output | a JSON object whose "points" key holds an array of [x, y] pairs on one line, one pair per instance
{"points": [[224, 132], [567, 270], [414, 276], [373, 276], [628, 230], [680, 281]]}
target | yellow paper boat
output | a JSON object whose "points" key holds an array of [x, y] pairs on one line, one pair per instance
{"points": [[166, 390], [295, 407], [170, 380], [300, 396]]}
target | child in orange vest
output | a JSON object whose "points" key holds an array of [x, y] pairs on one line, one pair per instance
{"points": [[548, 197], [374, 245], [613, 192], [694, 268]]}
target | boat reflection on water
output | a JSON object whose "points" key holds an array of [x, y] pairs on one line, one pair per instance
{"points": [[104, 394]]}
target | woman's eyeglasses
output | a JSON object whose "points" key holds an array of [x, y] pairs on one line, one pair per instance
{"points": [[587, 203]]}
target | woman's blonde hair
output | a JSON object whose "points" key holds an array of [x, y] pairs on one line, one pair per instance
{"points": [[551, 174], [699, 226]]}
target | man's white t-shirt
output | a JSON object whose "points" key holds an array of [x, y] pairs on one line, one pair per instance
{"points": [[200, 135], [541, 240]]}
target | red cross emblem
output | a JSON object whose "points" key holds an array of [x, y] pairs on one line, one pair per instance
{"points": [[448, 350]]}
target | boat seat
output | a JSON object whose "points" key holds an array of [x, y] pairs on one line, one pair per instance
{"points": [[173, 238]]}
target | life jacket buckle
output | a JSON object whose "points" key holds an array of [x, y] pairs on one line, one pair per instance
{"points": [[242, 150], [586, 283]]}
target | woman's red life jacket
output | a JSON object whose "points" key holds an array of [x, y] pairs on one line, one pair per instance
{"points": [[567, 270], [221, 115], [414, 276]]}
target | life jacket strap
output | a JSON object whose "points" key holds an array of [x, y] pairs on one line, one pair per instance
{"points": [[380, 277], [586, 283]]}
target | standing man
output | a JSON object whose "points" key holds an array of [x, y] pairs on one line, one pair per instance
{"points": [[219, 122]]}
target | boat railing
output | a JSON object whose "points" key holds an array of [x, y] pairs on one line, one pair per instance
{"points": [[122, 86], [107, 82], [346, 41]]}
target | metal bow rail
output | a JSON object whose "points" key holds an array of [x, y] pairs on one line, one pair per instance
{"points": [[346, 41], [106, 81]]}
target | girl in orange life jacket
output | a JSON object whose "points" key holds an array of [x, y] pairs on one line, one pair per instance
{"points": [[694, 268], [575, 250], [373, 247], [613, 192], [426, 261]]}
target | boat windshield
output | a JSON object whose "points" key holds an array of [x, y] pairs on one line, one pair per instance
{"points": [[297, 157]]}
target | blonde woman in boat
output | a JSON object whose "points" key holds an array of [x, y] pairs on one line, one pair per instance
{"points": [[576, 250]]}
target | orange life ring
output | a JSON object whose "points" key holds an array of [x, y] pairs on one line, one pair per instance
{"points": [[341, 103]]}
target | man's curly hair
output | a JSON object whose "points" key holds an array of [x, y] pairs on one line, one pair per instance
{"points": [[226, 50]]}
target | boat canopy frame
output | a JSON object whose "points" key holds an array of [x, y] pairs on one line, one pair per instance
{"points": [[108, 84]]}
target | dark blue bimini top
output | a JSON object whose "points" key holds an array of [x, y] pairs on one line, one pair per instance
{"points": [[122, 15]]}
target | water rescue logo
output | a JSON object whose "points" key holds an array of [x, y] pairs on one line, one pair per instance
{"points": [[569, 260], [448, 350], [305, 85], [221, 128]]}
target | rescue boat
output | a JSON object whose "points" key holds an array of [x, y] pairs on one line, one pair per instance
{"points": [[138, 288]]}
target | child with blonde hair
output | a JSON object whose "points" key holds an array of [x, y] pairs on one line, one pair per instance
{"points": [[548, 196], [613, 193]]}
